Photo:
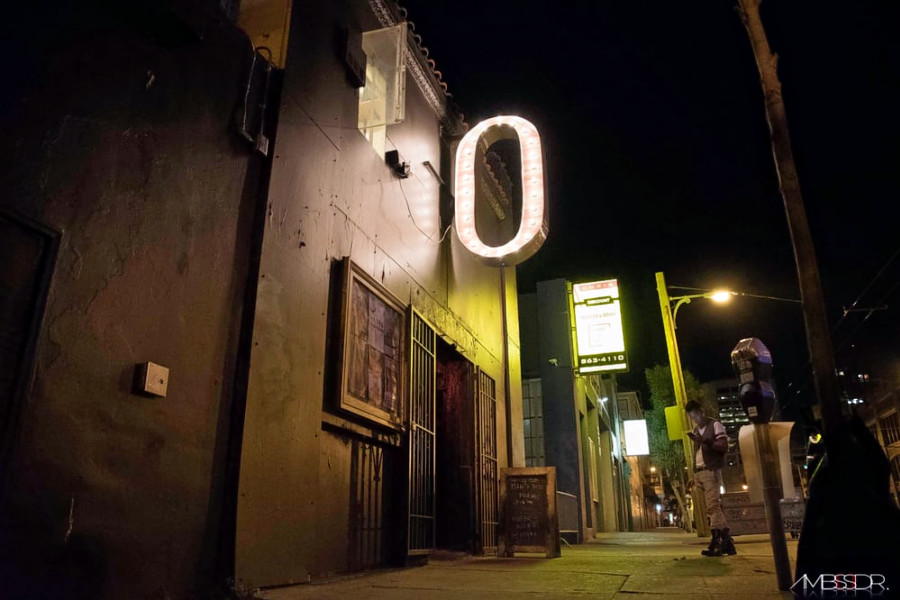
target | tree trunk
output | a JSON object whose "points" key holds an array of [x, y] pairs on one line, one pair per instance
{"points": [[818, 338], [686, 518]]}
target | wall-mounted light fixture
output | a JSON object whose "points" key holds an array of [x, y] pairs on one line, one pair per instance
{"points": [[400, 168]]}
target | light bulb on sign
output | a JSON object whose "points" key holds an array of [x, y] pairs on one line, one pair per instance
{"points": [[531, 233]]}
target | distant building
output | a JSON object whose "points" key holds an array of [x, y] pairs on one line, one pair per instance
{"points": [[882, 415], [856, 383], [732, 415], [571, 421], [870, 388], [640, 490]]}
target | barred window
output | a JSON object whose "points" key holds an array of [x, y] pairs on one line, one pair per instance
{"points": [[890, 429], [533, 417]]}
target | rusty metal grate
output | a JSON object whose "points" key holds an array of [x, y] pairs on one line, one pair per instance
{"points": [[366, 506], [486, 427], [422, 391]]}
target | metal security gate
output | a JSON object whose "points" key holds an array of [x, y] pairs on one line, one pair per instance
{"points": [[366, 506], [422, 390], [486, 438]]}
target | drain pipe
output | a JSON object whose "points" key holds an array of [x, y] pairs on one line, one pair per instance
{"points": [[507, 397]]}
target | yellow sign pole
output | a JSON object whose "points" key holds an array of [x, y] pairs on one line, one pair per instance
{"points": [[680, 396]]}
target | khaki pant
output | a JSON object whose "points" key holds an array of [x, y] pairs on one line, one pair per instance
{"points": [[707, 483]]}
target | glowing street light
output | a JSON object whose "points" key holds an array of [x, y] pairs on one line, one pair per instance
{"points": [[717, 296], [721, 296]]}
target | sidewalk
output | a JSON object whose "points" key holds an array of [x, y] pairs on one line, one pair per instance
{"points": [[662, 563]]}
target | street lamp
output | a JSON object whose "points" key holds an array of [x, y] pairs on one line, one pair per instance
{"points": [[717, 296], [669, 314]]}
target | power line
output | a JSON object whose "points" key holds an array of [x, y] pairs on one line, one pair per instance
{"points": [[869, 314], [846, 311], [416, 225], [865, 290]]}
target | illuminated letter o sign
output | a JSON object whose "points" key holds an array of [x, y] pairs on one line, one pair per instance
{"points": [[533, 227]]}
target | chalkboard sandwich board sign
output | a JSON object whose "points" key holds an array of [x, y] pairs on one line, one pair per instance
{"points": [[528, 520]]}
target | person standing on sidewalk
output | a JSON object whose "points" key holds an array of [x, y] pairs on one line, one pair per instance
{"points": [[710, 444]]}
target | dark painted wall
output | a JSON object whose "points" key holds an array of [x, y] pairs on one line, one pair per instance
{"points": [[558, 385], [118, 132], [529, 335]]}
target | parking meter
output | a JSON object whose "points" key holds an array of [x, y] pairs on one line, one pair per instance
{"points": [[752, 363]]}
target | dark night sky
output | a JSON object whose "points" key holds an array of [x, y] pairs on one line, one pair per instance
{"points": [[659, 158]]}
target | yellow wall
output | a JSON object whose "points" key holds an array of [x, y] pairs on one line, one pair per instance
{"points": [[267, 23]]}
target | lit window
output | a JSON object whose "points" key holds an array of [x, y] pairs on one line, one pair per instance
{"points": [[382, 100]]}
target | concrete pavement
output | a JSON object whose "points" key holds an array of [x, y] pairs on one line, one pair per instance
{"points": [[664, 562]]}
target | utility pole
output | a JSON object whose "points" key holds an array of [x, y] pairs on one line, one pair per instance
{"points": [[818, 338]]}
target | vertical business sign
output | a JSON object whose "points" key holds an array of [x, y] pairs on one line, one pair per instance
{"points": [[600, 340]]}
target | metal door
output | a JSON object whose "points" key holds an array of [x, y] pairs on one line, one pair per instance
{"points": [[422, 391], [486, 440]]}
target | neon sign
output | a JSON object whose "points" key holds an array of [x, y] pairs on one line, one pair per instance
{"points": [[533, 227]]}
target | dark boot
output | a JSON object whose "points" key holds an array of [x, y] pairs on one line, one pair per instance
{"points": [[727, 545], [715, 544]]}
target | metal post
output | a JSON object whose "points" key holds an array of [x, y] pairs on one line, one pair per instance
{"points": [[680, 396], [771, 496], [507, 398]]}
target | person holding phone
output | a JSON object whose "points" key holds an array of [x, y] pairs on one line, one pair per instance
{"points": [[710, 445]]}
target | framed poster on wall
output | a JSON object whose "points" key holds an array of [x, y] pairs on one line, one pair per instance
{"points": [[373, 335]]}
